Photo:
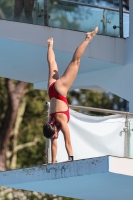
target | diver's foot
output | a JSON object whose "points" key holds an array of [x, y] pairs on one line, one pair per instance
{"points": [[50, 42], [90, 35]]}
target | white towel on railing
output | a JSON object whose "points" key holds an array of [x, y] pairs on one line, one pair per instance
{"points": [[93, 136]]}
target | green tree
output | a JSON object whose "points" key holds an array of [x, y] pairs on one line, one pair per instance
{"points": [[36, 111], [14, 94], [63, 15], [94, 99], [14, 194], [6, 9]]}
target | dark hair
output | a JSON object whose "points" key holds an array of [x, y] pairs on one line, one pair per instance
{"points": [[48, 129]]}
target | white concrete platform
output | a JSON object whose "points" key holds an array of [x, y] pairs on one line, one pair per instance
{"points": [[102, 178]]}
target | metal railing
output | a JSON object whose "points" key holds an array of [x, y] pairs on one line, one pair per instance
{"points": [[90, 5], [48, 142], [120, 10], [125, 129], [102, 110], [78, 16], [103, 20]]}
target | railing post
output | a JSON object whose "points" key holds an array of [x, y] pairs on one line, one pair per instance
{"points": [[46, 12], [126, 143], [121, 18], [48, 141], [104, 22]]}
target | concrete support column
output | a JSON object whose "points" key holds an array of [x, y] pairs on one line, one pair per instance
{"points": [[129, 46], [131, 101], [131, 18], [129, 57]]}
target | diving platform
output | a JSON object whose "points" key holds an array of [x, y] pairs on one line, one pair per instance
{"points": [[98, 178]]}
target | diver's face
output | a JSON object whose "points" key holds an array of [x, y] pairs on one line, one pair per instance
{"points": [[55, 136]]}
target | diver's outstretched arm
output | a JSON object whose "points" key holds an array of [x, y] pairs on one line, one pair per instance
{"points": [[54, 149], [53, 68]]}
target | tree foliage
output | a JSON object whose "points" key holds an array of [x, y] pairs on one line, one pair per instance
{"points": [[15, 92], [6, 9], [14, 194], [95, 99]]}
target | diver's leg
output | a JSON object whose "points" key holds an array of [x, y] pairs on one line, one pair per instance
{"points": [[65, 82]]}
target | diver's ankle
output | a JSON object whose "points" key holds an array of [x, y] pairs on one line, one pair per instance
{"points": [[91, 35]]}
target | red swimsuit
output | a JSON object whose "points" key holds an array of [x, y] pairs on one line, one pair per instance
{"points": [[53, 93]]}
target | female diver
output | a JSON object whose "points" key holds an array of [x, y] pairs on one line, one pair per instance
{"points": [[57, 90]]}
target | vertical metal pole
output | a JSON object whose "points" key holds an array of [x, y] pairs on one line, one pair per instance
{"points": [[121, 18], [126, 145], [37, 11], [46, 12], [104, 22], [48, 141]]}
